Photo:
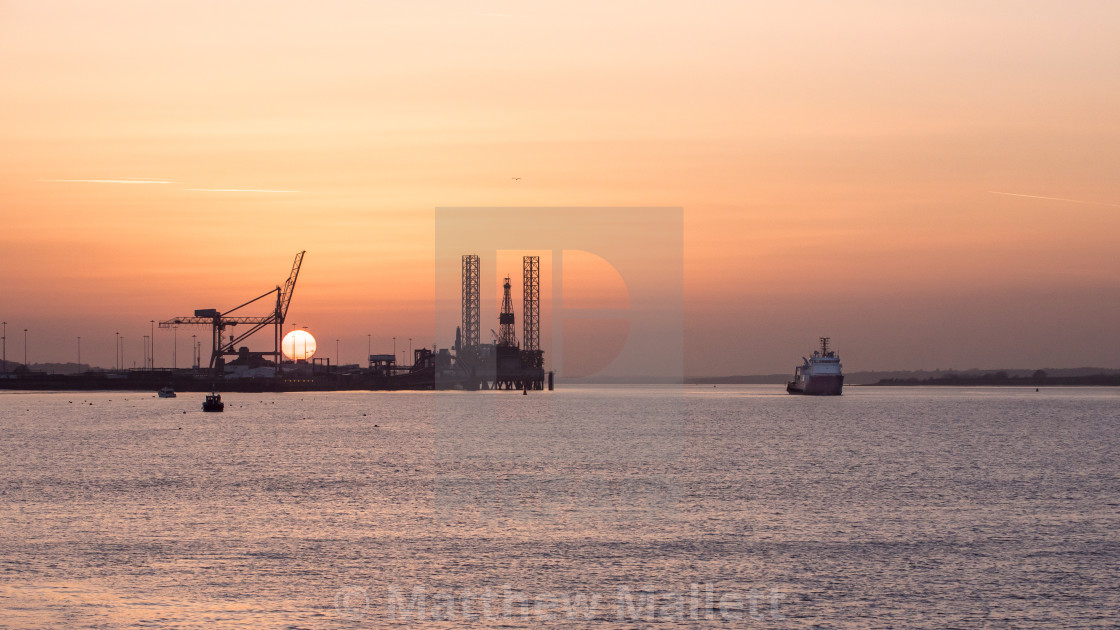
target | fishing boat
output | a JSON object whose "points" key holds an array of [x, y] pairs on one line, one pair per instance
{"points": [[166, 392], [213, 402]]}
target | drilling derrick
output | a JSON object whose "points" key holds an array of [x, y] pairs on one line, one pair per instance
{"points": [[508, 357], [471, 337], [507, 335]]}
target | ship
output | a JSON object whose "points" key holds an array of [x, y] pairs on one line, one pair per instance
{"points": [[819, 375], [213, 402]]}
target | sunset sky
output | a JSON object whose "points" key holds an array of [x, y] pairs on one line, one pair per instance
{"points": [[933, 185]]}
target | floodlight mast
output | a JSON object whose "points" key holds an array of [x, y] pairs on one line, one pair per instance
{"points": [[218, 321]]}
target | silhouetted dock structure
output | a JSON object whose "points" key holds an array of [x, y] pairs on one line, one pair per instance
{"points": [[506, 364]]}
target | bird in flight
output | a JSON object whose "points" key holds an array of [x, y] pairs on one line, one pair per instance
{"points": [[515, 178]]}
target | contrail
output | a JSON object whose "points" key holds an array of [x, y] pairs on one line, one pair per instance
{"points": [[1088, 203], [140, 180], [240, 190], [109, 181]]}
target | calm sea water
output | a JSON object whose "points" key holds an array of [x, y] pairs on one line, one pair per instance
{"points": [[628, 507]]}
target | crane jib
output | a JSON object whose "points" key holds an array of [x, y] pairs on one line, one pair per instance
{"points": [[218, 321]]}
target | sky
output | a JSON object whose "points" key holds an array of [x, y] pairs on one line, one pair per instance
{"points": [[931, 184]]}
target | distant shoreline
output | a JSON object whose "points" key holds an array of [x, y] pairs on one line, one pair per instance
{"points": [[1095, 380], [1009, 377]]}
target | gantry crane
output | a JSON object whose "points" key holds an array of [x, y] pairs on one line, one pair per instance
{"points": [[224, 345]]}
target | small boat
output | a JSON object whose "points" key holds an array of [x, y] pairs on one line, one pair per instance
{"points": [[166, 392], [213, 402]]}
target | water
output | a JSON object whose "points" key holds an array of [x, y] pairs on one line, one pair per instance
{"points": [[636, 507]]}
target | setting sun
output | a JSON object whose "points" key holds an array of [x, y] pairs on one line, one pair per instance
{"points": [[298, 345]]}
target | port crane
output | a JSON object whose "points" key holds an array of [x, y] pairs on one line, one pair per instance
{"points": [[225, 345]]}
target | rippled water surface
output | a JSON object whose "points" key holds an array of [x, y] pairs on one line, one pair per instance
{"points": [[623, 507]]}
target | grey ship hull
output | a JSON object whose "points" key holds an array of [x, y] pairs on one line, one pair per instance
{"points": [[828, 385]]}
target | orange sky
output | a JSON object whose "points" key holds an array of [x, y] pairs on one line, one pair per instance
{"points": [[837, 164]]}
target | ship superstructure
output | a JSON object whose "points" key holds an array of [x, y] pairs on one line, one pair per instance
{"points": [[819, 375]]}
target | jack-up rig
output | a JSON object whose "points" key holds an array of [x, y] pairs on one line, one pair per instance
{"points": [[225, 345], [503, 364]]}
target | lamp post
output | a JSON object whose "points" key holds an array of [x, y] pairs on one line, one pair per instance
{"points": [[175, 348], [124, 366], [79, 354], [337, 360], [411, 357], [146, 350], [117, 351], [295, 359], [369, 345], [153, 343], [194, 361], [4, 338], [394, 348]]}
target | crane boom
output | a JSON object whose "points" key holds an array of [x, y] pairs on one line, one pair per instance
{"points": [[223, 345], [206, 321], [289, 288]]}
